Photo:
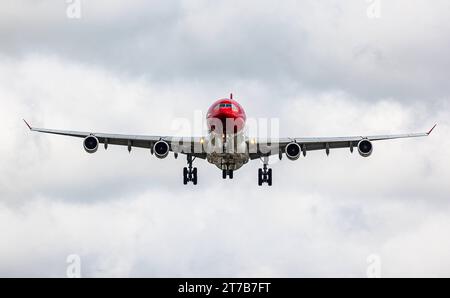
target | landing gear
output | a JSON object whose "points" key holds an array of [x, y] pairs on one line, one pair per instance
{"points": [[189, 173], [185, 175], [194, 178], [265, 174], [226, 173]]}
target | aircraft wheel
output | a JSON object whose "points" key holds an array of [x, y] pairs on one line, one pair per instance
{"points": [[230, 174], [260, 177], [185, 176], [269, 180], [224, 174], [194, 173]]}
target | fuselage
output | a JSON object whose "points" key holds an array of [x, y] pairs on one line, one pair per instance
{"points": [[226, 124]]}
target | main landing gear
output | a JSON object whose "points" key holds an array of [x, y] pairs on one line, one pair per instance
{"points": [[265, 174], [190, 173]]}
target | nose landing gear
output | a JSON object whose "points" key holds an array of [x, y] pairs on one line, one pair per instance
{"points": [[190, 173], [226, 173], [265, 174]]}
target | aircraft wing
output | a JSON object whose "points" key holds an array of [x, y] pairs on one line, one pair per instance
{"points": [[273, 147], [141, 141]]}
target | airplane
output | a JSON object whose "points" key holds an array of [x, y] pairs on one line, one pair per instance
{"points": [[226, 146]]}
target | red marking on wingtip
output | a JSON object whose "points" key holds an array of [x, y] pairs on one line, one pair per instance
{"points": [[431, 130], [29, 126]]}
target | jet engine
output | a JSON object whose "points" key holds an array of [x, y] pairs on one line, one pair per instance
{"points": [[293, 151], [161, 149], [90, 144], [365, 148]]}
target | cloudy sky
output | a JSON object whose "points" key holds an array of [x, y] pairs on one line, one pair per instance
{"points": [[323, 68]]}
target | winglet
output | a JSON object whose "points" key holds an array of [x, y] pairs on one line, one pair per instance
{"points": [[431, 130], [29, 126]]}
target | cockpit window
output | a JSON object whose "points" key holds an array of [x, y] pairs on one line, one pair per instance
{"points": [[226, 105]]}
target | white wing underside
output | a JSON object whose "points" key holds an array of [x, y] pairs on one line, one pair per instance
{"points": [[307, 144]]}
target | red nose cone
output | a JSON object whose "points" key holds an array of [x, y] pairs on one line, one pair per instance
{"points": [[226, 115]]}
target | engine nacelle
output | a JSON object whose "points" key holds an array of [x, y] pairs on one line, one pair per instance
{"points": [[161, 149], [90, 144], [293, 151], [365, 148]]}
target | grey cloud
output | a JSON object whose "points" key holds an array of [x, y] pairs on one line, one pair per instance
{"points": [[331, 45]]}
